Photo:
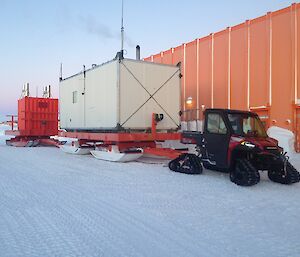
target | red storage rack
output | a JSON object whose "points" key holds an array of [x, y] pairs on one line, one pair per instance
{"points": [[38, 116], [37, 122]]}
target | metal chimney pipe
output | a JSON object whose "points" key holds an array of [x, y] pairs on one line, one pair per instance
{"points": [[60, 72], [49, 91], [27, 89], [138, 52]]}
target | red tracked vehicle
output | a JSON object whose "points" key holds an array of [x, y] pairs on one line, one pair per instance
{"points": [[236, 142]]}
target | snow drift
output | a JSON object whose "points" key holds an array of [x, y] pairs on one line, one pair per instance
{"points": [[286, 139]]}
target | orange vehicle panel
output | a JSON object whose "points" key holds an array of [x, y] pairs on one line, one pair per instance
{"points": [[178, 57], [190, 78], [148, 59], [157, 58], [220, 72], [298, 50], [259, 62], [167, 57], [282, 70], [205, 72], [239, 68]]}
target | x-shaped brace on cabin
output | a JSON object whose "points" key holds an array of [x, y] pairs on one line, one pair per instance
{"points": [[151, 95]]}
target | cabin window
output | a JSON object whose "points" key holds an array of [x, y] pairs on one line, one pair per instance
{"points": [[216, 124], [74, 97]]}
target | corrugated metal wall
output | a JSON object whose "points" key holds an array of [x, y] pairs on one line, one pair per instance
{"points": [[254, 65]]}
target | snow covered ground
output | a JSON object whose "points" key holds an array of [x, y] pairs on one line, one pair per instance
{"points": [[54, 204], [3, 117]]}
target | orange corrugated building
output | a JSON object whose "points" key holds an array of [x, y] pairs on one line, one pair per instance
{"points": [[252, 66]]}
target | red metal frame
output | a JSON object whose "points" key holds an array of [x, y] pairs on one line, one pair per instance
{"points": [[16, 133], [38, 116], [23, 141], [129, 140], [163, 152], [121, 137], [154, 124], [297, 127], [37, 121]]}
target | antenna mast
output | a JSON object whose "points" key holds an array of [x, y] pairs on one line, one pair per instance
{"points": [[122, 30], [60, 72]]}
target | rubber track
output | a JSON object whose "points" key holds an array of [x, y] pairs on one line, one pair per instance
{"points": [[293, 176], [250, 175], [186, 163]]}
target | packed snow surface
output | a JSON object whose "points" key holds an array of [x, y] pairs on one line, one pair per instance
{"points": [[55, 204]]}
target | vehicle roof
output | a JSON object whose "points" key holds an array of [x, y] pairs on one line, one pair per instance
{"points": [[230, 111]]}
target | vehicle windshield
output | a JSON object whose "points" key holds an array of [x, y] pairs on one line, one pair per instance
{"points": [[247, 125]]}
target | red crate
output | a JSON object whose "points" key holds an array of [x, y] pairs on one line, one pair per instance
{"points": [[38, 116]]}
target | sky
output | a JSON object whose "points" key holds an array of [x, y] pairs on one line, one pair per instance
{"points": [[36, 36]]}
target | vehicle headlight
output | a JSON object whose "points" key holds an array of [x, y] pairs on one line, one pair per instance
{"points": [[281, 150], [248, 144]]}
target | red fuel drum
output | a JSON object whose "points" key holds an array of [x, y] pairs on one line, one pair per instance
{"points": [[38, 116]]}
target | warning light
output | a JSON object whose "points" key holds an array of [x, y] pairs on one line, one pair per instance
{"points": [[189, 100]]}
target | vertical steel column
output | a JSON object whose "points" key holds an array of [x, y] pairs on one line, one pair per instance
{"points": [[248, 22], [184, 76], [229, 69], [294, 7], [197, 72], [269, 15], [172, 51], [12, 122], [84, 96], [212, 70], [295, 111], [119, 92]]}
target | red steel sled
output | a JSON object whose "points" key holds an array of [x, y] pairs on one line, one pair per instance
{"points": [[122, 146], [30, 141]]}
